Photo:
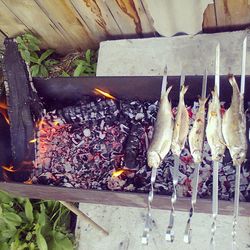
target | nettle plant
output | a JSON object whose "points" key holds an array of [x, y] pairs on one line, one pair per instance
{"points": [[33, 224], [28, 45]]}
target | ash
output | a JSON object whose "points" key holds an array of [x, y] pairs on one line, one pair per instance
{"points": [[81, 146]]}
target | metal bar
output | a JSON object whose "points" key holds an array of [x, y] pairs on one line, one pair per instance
{"points": [[148, 222], [236, 206], [170, 229], [243, 66], [188, 230], [217, 68], [214, 203]]}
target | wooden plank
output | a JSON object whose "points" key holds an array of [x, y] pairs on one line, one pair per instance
{"points": [[9, 23], [126, 16], [115, 198], [63, 16], [2, 37], [29, 13], [231, 13], [97, 17], [209, 18]]}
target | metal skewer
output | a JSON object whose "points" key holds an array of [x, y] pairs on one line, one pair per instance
{"points": [[148, 223], [215, 163], [170, 229], [188, 230], [237, 174]]}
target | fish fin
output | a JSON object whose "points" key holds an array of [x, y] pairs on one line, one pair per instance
{"points": [[184, 89], [202, 101], [222, 142], [169, 89]]}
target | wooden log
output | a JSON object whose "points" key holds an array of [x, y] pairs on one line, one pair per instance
{"points": [[116, 198]]}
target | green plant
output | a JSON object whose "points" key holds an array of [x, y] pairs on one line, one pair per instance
{"points": [[31, 224], [28, 45], [85, 66]]}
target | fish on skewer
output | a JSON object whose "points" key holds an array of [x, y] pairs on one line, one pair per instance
{"points": [[181, 128], [234, 126], [162, 137], [196, 140], [159, 148], [196, 135], [214, 128], [217, 145], [234, 132]]}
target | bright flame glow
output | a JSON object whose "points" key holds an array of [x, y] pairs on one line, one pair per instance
{"points": [[3, 105], [101, 92], [33, 141], [40, 123], [56, 123], [118, 173], [5, 115], [10, 168]]}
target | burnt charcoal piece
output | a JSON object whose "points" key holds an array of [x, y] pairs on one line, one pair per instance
{"points": [[5, 149], [23, 104], [132, 146]]}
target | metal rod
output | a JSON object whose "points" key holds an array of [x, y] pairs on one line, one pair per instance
{"points": [[236, 205], [215, 163], [188, 230], [243, 66], [148, 222], [82, 216], [170, 229]]}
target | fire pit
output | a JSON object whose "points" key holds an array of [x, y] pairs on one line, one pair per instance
{"points": [[86, 133]]}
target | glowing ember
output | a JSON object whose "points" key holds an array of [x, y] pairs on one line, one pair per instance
{"points": [[99, 91], [29, 182], [33, 141], [9, 169], [118, 173], [3, 105]]}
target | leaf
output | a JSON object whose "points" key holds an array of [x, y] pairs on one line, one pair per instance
{"points": [[60, 241], [64, 74], [31, 246], [78, 69], [46, 54], [10, 217], [88, 55], [4, 246], [29, 210], [5, 198], [25, 55], [41, 243], [35, 70], [43, 71], [50, 62], [19, 40]]}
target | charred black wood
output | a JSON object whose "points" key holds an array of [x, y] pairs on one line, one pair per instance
{"points": [[132, 146], [23, 104]]}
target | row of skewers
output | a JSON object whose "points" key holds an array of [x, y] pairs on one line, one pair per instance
{"points": [[171, 134]]}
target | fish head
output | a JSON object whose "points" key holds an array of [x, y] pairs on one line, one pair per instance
{"points": [[153, 159], [238, 155], [197, 156], [218, 153]]}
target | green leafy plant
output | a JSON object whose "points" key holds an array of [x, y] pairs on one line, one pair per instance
{"points": [[85, 66], [28, 45], [33, 225]]}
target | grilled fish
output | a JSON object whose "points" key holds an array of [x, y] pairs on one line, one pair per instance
{"points": [[196, 134], [214, 128], [163, 132], [181, 126], [234, 126]]}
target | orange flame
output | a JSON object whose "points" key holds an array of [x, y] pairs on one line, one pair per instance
{"points": [[40, 123], [99, 91], [118, 173], [9, 169], [3, 105], [5, 115], [56, 123], [33, 140]]}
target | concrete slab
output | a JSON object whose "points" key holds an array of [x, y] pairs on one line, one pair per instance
{"points": [[149, 56], [126, 226]]}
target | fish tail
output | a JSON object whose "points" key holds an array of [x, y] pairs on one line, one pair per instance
{"points": [[184, 90], [202, 101], [233, 82]]}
